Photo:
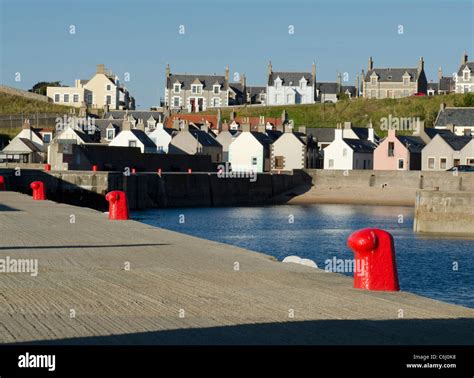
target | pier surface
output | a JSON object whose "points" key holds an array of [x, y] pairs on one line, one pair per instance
{"points": [[124, 282]]}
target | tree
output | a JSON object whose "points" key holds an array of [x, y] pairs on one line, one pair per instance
{"points": [[40, 88]]}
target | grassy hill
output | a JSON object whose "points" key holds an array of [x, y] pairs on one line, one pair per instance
{"points": [[358, 111], [11, 104]]}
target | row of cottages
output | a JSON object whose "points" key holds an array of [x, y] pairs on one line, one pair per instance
{"points": [[102, 91]]}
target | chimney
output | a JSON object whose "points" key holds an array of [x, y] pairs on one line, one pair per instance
{"points": [[126, 124], [261, 120], [227, 74], [313, 72], [184, 125], [140, 125], [302, 129], [391, 132], [284, 116], [219, 120], [347, 125], [176, 123], [440, 74], [205, 128], [370, 66], [26, 124], [464, 58], [167, 71], [100, 69], [225, 126], [357, 85], [338, 132], [421, 64], [261, 128], [243, 81], [442, 107], [339, 83], [467, 132], [269, 68], [450, 127], [245, 127], [371, 136], [288, 128], [233, 114]]}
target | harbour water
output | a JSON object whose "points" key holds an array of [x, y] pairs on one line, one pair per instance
{"points": [[439, 268]]}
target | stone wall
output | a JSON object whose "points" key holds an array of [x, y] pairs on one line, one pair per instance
{"points": [[446, 212]]}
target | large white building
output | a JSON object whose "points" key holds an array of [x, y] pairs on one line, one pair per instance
{"points": [[464, 78], [102, 91], [289, 88]]}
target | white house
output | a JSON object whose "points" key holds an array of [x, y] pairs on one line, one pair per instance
{"points": [[161, 136], [225, 138], [250, 151], [130, 137], [464, 78], [289, 88], [444, 152], [348, 154], [288, 151]]}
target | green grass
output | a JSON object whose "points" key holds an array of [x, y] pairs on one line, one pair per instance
{"points": [[10, 104], [358, 111]]}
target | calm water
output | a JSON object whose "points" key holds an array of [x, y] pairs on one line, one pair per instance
{"points": [[319, 232]]}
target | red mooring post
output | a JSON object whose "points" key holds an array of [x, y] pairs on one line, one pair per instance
{"points": [[47, 167], [134, 170], [375, 263], [118, 205], [159, 172], [95, 168], [3, 185], [38, 190], [190, 170]]}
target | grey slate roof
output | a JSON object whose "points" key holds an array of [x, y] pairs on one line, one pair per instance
{"points": [[321, 134], [361, 146], [30, 145], [256, 90], [274, 134], [186, 80], [456, 142], [263, 138], [392, 74], [137, 114], [432, 132], [412, 143], [446, 84], [327, 88], [363, 133], [102, 124], [143, 138], [469, 64], [433, 86], [237, 88], [456, 116], [204, 138], [350, 88], [290, 78]]}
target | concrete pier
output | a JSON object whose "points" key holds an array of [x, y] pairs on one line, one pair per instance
{"points": [[123, 282]]}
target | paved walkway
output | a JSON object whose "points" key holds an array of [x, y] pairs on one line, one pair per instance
{"points": [[184, 290]]}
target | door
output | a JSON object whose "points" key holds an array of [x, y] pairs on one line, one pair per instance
{"points": [[279, 162], [200, 105], [193, 104]]}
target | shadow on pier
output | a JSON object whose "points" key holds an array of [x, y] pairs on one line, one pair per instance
{"points": [[458, 331]]}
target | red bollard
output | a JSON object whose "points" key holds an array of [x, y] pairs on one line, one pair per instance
{"points": [[118, 205], [190, 170], [375, 263], [3, 186], [38, 190], [95, 168], [47, 167], [134, 170], [159, 172]]}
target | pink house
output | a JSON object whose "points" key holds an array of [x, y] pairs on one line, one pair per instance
{"points": [[398, 152]]}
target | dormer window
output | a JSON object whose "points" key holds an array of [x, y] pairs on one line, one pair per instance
{"points": [[373, 80], [466, 75], [196, 88], [277, 83], [216, 89], [302, 83], [406, 80], [176, 88]]}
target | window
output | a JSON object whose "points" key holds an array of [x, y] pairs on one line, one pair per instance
{"points": [[215, 102], [466, 75], [401, 164], [344, 152], [132, 143], [431, 163], [176, 101], [89, 99], [469, 161], [57, 97], [108, 99], [66, 97], [109, 87], [196, 88], [391, 149], [47, 138], [110, 134], [373, 80], [176, 88], [75, 98], [254, 160], [406, 80], [279, 162], [442, 163], [331, 163], [457, 162], [216, 89]]}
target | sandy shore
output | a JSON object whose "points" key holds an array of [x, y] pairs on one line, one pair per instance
{"points": [[347, 195]]}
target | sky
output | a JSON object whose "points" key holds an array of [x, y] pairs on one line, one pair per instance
{"points": [[140, 37]]}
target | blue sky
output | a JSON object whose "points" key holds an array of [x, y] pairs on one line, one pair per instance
{"points": [[141, 36]]}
